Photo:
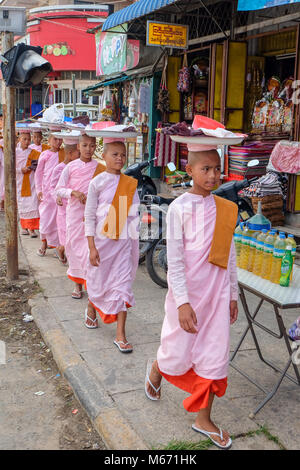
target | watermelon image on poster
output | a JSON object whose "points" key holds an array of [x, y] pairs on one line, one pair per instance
{"points": [[64, 50]]}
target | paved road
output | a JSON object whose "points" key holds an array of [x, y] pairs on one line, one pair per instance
{"points": [[122, 376]]}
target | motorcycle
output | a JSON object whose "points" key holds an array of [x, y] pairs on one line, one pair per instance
{"points": [[156, 253], [145, 183]]}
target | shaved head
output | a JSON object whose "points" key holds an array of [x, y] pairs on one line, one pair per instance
{"points": [[109, 146], [195, 157]]}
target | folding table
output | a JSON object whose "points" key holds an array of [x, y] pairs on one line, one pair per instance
{"points": [[281, 298]]}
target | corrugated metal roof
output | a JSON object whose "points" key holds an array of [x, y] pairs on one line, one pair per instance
{"points": [[136, 10]]}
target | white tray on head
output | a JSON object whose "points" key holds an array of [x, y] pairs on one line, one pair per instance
{"points": [[75, 127], [205, 140], [55, 126], [111, 134]]}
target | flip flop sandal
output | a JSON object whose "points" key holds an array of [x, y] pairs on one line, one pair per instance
{"points": [[33, 235], [123, 350], [60, 259], [24, 232], [209, 434], [76, 295], [147, 380], [86, 317], [41, 252]]}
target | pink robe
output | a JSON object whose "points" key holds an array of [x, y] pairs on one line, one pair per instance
{"points": [[36, 147], [76, 177], [61, 210], [208, 288], [28, 207], [48, 208], [109, 285]]}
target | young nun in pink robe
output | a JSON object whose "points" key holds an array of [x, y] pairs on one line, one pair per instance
{"points": [[71, 154], [73, 185], [113, 262], [48, 160], [37, 137], [202, 298], [28, 206]]}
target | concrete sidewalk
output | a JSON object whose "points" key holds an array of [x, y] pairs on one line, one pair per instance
{"points": [[110, 385]]}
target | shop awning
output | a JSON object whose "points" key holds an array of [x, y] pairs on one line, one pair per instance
{"points": [[105, 83], [250, 5], [136, 10]]}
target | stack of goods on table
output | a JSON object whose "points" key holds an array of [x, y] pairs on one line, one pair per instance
{"points": [[271, 191], [263, 252], [240, 155]]}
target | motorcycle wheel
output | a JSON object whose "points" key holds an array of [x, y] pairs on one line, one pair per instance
{"points": [[156, 262]]}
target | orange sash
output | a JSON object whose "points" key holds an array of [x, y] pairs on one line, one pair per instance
{"points": [[120, 206], [26, 188], [227, 213], [45, 147], [99, 169], [61, 155]]}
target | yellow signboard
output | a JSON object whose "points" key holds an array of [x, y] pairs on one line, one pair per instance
{"points": [[167, 34]]}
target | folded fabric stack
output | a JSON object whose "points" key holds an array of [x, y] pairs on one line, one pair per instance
{"points": [[240, 155], [268, 185]]}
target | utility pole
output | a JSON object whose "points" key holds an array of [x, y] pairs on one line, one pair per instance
{"points": [[11, 218], [74, 95]]}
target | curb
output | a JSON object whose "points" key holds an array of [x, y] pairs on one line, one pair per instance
{"points": [[111, 425]]}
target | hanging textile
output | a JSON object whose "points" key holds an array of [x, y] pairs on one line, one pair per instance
{"points": [[165, 149]]}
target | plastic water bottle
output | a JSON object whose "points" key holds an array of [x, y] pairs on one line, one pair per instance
{"points": [[278, 254], [238, 235], [258, 259], [253, 238], [291, 241], [268, 255], [286, 267], [245, 248]]}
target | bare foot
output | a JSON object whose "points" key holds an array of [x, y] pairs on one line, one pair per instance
{"points": [[209, 426], [155, 379]]}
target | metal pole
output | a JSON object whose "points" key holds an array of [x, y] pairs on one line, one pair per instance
{"points": [[74, 95], [11, 218]]}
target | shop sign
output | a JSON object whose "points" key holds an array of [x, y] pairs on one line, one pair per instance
{"points": [[247, 5], [167, 34], [115, 53]]}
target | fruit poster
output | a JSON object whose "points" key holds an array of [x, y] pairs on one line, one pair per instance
{"points": [[58, 49]]}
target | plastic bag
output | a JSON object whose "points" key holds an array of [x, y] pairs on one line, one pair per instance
{"points": [[132, 110], [56, 113]]}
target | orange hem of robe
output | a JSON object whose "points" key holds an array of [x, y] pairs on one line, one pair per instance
{"points": [[77, 280], [30, 224], [199, 388], [107, 318]]}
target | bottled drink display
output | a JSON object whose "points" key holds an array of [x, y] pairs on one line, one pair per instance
{"points": [[259, 252], [268, 255], [290, 241], [238, 235], [286, 267], [278, 254]]}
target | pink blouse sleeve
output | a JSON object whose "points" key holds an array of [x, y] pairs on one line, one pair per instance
{"points": [[234, 290], [39, 172], [90, 211], [175, 256], [61, 188]]}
